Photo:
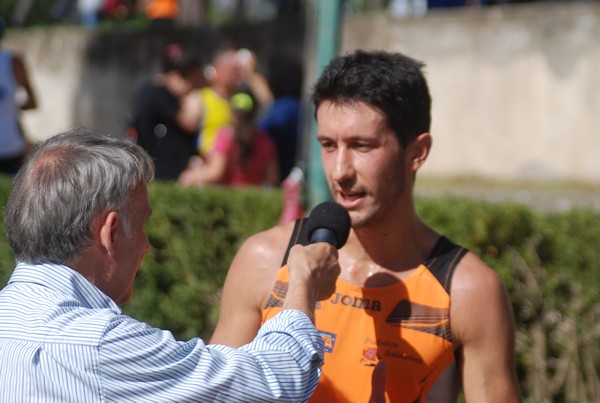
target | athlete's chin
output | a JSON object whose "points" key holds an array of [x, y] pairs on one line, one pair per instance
{"points": [[368, 217], [361, 221]]}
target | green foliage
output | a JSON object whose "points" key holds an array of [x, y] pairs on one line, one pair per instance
{"points": [[194, 235], [487, 229], [548, 262], [7, 259], [42, 13]]}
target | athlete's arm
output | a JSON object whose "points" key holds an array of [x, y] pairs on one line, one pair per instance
{"points": [[249, 283], [483, 325]]}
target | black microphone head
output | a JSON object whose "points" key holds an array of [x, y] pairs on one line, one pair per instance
{"points": [[329, 222]]}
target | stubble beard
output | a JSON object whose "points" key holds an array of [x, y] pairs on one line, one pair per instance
{"points": [[380, 206]]}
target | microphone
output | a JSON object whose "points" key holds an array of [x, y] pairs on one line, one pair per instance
{"points": [[329, 222]]}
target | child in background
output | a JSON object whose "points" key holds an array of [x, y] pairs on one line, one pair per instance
{"points": [[242, 155]]}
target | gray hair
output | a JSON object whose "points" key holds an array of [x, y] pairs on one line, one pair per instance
{"points": [[67, 181]]}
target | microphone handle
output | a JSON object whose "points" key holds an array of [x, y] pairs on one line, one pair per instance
{"points": [[324, 235]]}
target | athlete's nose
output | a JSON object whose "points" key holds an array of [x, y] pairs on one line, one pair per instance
{"points": [[343, 168]]}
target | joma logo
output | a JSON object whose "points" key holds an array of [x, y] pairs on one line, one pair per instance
{"points": [[356, 302]]}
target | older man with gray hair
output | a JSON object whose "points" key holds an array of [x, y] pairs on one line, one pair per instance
{"points": [[75, 221]]}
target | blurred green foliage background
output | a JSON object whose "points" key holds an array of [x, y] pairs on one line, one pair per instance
{"points": [[548, 262]]}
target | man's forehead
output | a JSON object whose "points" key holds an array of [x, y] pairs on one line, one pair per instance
{"points": [[358, 120], [366, 110]]}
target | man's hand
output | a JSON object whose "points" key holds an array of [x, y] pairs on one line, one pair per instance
{"points": [[313, 270]]}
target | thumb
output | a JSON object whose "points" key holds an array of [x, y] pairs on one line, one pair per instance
{"points": [[378, 383]]}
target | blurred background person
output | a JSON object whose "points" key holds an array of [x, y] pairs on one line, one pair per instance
{"points": [[241, 155], [281, 119], [253, 79], [163, 124], [16, 95], [119, 9], [89, 11], [224, 76]]}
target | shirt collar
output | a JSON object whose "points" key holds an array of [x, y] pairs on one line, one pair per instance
{"points": [[66, 281]]}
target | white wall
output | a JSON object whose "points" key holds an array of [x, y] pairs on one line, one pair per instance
{"points": [[516, 90]]}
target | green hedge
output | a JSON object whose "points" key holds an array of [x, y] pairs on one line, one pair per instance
{"points": [[194, 236], [549, 263]]}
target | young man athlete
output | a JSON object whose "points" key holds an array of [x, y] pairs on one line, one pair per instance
{"points": [[431, 311]]}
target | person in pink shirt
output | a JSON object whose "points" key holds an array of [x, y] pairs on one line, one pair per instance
{"points": [[242, 155]]}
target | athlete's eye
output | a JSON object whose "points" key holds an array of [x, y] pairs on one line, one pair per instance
{"points": [[327, 145]]}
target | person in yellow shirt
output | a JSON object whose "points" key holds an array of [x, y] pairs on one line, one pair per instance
{"points": [[224, 76], [230, 68], [414, 317]]}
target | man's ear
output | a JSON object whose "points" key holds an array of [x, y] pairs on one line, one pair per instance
{"points": [[418, 151], [108, 232]]}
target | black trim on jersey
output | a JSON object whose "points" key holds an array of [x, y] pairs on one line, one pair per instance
{"points": [[441, 262], [443, 259], [299, 236]]}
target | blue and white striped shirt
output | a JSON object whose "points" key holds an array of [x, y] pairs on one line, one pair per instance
{"points": [[63, 340]]}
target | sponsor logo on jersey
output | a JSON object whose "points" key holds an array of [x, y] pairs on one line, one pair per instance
{"points": [[356, 302], [328, 340]]}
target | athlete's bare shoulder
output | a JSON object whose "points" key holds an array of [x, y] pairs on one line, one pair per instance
{"points": [[476, 288], [249, 282], [483, 328], [266, 249]]}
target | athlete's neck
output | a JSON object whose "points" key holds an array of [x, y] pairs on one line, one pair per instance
{"points": [[395, 246]]}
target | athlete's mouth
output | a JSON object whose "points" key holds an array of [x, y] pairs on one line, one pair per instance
{"points": [[351, 196]]}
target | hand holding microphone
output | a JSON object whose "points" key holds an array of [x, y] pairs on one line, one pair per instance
{"points": [[314, 268], [329, 222]]}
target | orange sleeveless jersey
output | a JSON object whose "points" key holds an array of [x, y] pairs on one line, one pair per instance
{"points": [[405, 324]]}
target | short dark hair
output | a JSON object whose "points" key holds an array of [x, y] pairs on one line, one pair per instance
{"points": [[391, 82]]}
